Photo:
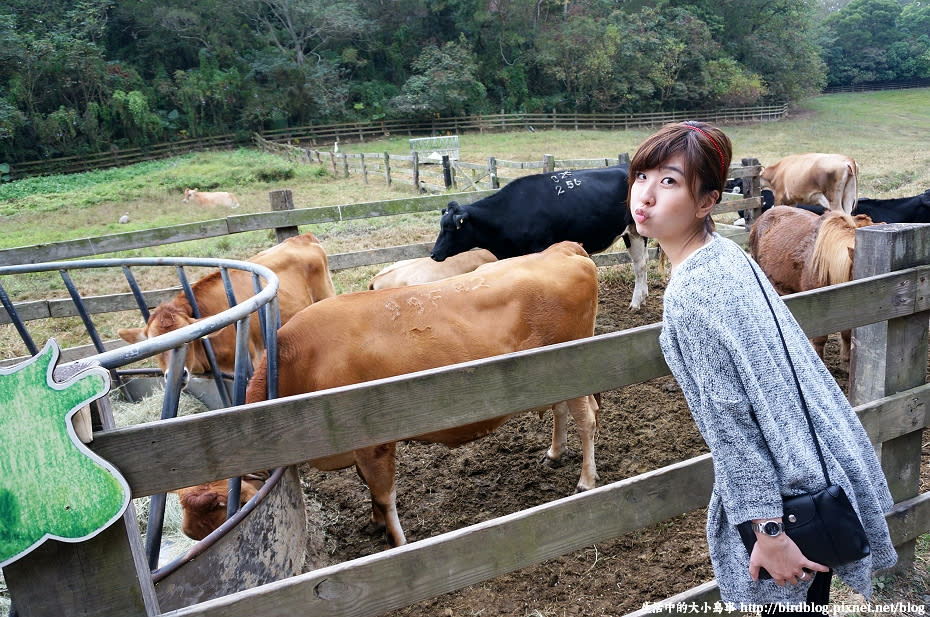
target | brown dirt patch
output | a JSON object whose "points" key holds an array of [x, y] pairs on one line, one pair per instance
{"points": [[642, 427]]}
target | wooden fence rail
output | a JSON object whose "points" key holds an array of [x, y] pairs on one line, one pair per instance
{"points": [[200, 449]]}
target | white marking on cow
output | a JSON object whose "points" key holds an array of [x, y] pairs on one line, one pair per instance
{"points": [[416, 303], [393, 308]]}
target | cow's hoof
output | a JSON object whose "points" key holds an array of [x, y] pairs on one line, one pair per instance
{"points": [[554, 463], [373, 529]]}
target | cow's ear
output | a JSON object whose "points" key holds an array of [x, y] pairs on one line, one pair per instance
{"points": [[132, 335], [460, 220]]}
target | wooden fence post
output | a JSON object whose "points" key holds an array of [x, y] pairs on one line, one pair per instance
{"points": [[891, 356], [623, 158], [492, 173], [446, 171], [387, 168], [281, 200], [548, 163], [332, 158], [753, 189], [416, 171], [364, 169], [345, 165]]}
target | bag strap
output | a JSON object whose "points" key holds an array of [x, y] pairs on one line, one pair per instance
{"points": [[797, 382]]}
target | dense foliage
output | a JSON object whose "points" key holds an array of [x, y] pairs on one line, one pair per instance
{"points": [[81, 76]]}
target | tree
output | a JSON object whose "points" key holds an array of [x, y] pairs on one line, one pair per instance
{"points": [[443, 82], [857, 40]]}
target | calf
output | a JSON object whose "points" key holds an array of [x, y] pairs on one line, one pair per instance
{"points": [[828, 180], [502, 307], [217, 198], [588, 206], [426, 270]]}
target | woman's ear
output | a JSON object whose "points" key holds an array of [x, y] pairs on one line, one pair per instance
{"points": [[707, 202]]}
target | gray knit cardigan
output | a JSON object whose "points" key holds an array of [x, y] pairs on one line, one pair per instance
{"points": [[722, 346]]}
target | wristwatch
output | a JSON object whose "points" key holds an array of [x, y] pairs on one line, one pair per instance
{"points": [[769, 528]]}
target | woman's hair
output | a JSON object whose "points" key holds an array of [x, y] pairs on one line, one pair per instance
{"points": [[706, 149]]}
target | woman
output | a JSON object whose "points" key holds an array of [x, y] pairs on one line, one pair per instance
{"points": [[724, 349]]}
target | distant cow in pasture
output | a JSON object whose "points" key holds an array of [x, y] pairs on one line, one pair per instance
{"points": [[799, 250], [303, 274], [914, 209], [504, 306], [216, 198], [425, 269], [828, 180], [588, 206]]}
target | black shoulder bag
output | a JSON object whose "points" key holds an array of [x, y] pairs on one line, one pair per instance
{"points": [[822, 523]]}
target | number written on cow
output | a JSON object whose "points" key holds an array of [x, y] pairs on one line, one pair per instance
{"points": [[568, 184]]}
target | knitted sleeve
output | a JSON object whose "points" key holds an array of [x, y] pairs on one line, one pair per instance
{"points": [[706, 352]]}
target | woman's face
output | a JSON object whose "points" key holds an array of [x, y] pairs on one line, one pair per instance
{"points": [[662, 204]]}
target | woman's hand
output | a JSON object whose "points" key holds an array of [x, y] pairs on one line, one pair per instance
{"points": [[781, 558]]}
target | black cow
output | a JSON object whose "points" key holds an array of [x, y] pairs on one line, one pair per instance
{"points": [[531, 213], [914, 209]]}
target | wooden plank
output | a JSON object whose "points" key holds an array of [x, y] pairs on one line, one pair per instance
{"points": [[284, 218], [64, 307], [225, 443], [392, 579], [341, 261], [388, 409]]}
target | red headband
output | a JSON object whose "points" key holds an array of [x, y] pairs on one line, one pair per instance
{"points": [[723, 167]]}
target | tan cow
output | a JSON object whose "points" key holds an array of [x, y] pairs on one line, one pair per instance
{"points": [[426, 269], [303, 272], [828, 180], [216, 198], [203, 506], [505, 306]]}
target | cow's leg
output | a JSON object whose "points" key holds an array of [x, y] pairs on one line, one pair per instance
{"points": [[845, 345], [819, 342], [376, 466], [584, 410], [822, 200], [559, 433], [638, 254]]}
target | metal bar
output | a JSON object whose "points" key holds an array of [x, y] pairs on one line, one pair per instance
{"points": [[205, 341], [82, 310], [137, 293], [169, 409], [271, 347], [20, 326]]}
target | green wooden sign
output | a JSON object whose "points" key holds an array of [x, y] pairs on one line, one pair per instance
{"points": [[51, 484]]}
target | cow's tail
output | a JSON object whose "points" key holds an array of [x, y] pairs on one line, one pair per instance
{"points": [[831, 259], [850, 188]]}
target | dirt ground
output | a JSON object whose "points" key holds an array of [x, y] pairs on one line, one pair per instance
{"points": [[642, 427]]}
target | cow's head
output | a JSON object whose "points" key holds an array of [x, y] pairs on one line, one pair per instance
{"points": [[188, 193], [168, 317], [456, 234], [203, 506]]}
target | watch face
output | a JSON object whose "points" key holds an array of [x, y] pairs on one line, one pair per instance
{"points": [[771, 528]]}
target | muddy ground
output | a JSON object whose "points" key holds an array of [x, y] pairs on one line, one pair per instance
{"points": [[642, 427]]}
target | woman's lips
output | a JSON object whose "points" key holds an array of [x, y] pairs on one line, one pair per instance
{"points": [[640, 215]]}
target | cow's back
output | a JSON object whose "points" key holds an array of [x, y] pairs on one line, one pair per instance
{"points": [[426, 270], [504, 306], [302, 268], [531, 213], [781, 241]]}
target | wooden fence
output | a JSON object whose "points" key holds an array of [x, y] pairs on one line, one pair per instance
{"points": [[889, 309], [316, 135]]}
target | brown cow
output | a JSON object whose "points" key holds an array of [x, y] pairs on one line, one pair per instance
{"points": [[829, 180], [203, 507], [426, 269], [217, 198], [799, 250], [505, 306], [303, 273]]}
